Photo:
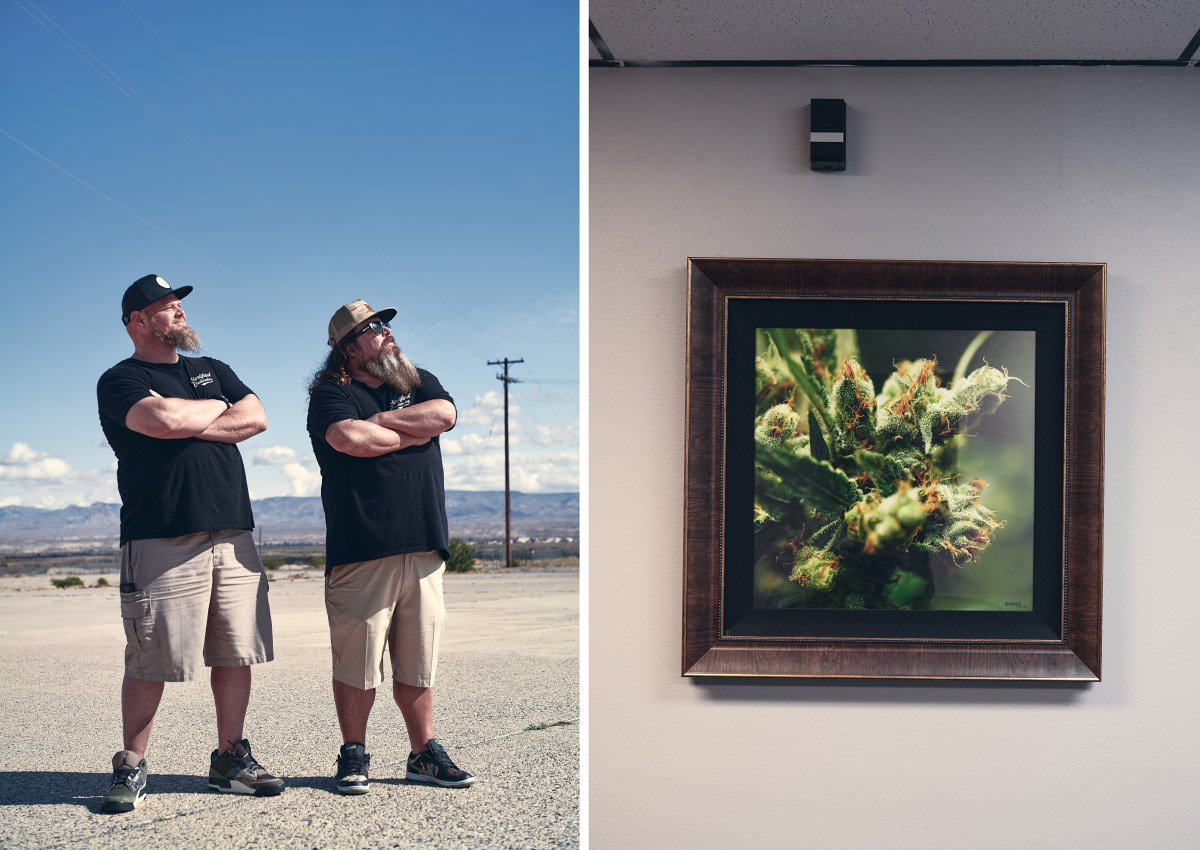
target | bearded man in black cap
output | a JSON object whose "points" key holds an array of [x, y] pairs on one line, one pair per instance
{"points": [[374, 421], [193, 590]]}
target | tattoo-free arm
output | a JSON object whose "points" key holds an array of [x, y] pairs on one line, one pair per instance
{"points": [[240, 422], [426, 419], [362, 438], [206, 418], [173, 418]]}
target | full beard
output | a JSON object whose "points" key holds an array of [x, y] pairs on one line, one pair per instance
{"points": [[394, 368], [183, 338]]}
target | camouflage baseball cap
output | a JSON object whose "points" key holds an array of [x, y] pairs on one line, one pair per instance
{"points": [[349, 316]]}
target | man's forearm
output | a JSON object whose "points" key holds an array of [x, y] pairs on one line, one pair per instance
{"points": [[427, 419], [240, 422], [173, 418], [362, 438]]}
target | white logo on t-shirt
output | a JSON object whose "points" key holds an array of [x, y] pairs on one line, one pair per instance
{"points": [[202, 380], [403, 401]]}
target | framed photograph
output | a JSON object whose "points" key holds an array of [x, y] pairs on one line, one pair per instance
{"points": [[894, 469]]}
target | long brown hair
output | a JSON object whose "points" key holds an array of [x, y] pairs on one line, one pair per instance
{"points": [[333, 369]]}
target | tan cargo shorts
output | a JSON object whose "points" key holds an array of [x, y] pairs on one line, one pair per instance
{"points": [[197, 601], [394, 603]]}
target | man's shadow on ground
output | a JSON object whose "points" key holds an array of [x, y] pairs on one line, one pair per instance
{"points": [[42, 788], [83, 788]]}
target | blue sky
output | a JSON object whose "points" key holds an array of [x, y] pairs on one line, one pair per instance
{"points": [[285, 158]]}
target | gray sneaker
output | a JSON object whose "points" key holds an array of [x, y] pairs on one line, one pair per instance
{"points": [[236, 772], [128, 784]]}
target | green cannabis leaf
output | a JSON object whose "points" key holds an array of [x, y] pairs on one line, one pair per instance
{"points": [[858, 490]]}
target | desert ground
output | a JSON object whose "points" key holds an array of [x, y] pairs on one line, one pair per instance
{"points": [[506, 708]]}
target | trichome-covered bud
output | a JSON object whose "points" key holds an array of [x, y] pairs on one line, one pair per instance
{"points": [[910, 389], [778, 425], [771, 381], [815, 569], [852, 405], [981, 390], [887, 524], [963, 526]]}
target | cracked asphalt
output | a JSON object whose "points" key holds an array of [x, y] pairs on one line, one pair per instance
{"points": [[506, 709]]}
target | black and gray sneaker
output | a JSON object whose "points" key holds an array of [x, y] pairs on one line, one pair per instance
{"points": [[435, 766], [352, 763], [128, 784], [236, 772]]}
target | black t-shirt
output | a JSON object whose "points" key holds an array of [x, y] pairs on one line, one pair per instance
{"points": [[376, 507], [172, 487]]}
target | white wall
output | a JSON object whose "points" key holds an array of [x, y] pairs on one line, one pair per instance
{"points": [[1085, 165]]}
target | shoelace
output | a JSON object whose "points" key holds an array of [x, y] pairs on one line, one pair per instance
{"points": [[126, 778], [245, 764]]}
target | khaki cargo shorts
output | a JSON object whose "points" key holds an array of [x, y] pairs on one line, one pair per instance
{"points": [[394, 603], [199, 600]]}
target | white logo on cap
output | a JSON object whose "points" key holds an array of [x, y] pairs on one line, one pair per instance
{"points": [[162, 283]]}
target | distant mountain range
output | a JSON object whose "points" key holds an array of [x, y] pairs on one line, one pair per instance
{"points": [[287, 519]]}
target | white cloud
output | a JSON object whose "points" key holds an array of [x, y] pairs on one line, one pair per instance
{"points": [[489, 409], [59, 494], [23, 463], [479, 416], [20, 453], [103, 490], [554, 398], [541, 435], [275, 456], [304, 481], [470, 444], [492, 398], [546, 472], [40, 480], [28, 499]]}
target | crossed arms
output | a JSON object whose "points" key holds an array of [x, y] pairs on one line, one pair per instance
{"points": [[206, 418], [392, 430]]}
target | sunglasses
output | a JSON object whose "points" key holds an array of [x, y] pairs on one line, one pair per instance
{"points": [[375, 327]]}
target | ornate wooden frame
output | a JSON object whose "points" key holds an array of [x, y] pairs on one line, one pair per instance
{"points": [[714, 646]]}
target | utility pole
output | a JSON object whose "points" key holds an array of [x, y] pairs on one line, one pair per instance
{"points": [[504, 379]]}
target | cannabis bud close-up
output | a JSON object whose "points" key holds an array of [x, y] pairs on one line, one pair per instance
{"points": [[859, 498]]}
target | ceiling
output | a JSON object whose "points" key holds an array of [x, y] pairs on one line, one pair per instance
{"points": [[669, 33]]}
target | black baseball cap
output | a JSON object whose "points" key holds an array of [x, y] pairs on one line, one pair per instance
{"points": [[146, 289]]}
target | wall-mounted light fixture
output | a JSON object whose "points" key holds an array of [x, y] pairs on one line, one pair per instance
{"points": [[827, 134]]}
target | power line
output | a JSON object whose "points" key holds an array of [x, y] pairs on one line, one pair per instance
{"points": [[143, 103], [121, 206], [115, 80], [304, 176]]}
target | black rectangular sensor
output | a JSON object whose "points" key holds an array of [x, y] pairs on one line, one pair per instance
{"points": [[827, 134]]}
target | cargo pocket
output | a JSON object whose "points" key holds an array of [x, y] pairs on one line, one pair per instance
{"points": [[138, 617]]}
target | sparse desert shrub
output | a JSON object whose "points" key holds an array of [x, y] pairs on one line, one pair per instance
{"points": [[69, 581], [462, 556]]}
